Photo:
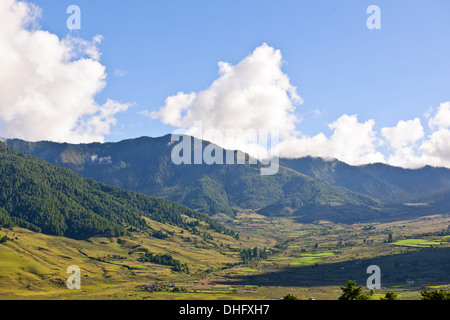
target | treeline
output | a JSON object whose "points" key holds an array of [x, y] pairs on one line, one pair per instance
{"points": [[165, 260], [351, 292], [9, 222], [162, 210], [255, 253], [53, 200], [4, 239]]}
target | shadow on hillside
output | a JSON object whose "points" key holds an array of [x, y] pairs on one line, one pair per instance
{"points": [[349, 214], [424, 267]]}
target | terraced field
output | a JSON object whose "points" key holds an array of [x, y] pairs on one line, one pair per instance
{"points": [[305, 259], [419, 243], [309, 260]]}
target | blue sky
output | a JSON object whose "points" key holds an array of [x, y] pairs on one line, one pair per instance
{"points": [[155, 49], [338, 65]]}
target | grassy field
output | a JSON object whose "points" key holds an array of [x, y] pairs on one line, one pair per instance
{"points": [[419, 243], [309, 260]]}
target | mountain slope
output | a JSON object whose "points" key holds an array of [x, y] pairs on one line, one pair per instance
{"points": [[45, 198], [391, 185], [144, 165]]}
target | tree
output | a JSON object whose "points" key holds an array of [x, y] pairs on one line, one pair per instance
{"points": [[390, 240], [390, 295], [4, 239], [435, 295], [351, 292], [290, 296]]}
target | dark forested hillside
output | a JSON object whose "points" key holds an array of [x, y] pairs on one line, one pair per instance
{"points": [[306, 187], [391, 185], [144, 165], [45, 198]]}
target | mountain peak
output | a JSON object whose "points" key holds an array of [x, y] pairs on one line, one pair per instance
{"points": [[144, 165]]}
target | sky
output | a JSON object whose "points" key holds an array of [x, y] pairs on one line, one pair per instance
{"points": [[311, 70]]}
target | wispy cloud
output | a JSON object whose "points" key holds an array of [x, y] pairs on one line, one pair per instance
{"points": [[120, 72]]}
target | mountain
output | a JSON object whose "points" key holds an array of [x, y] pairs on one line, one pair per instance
{"points": [[391, 185], [57, 201], [309, 188], [144, 165]]}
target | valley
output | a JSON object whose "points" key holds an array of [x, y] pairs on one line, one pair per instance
{"points": [[167, 153], [308, 260], [139, 227]]}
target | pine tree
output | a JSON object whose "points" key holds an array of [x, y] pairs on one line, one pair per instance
{"points": [[435, 295], [390, 295], [351, 292]]}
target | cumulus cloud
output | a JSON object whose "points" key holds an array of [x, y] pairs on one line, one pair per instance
{"points": [[48, 84], [436, 148], [441, 120], [412, 149], [404, 133], [403, 139], [351, 141], [251, 95], [257, 94]]}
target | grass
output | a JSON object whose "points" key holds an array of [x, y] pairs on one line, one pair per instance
{"points": [[308, 259], [311, 260], [34, 265], [305, 259], [280, 259], [419, 243], [135, 266], [246, 271]]}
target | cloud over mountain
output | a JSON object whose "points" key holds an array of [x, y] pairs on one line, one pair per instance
{"points": [[251, 95], [256, 94], [48, 89], [48, 84]]}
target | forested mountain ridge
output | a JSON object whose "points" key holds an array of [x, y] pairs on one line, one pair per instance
{"points": [[306, 187], [144, 165], [46, 198], [389, 184]]}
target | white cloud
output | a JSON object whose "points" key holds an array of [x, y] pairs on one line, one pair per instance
{"points": [[256, 94], [436, 149], [412, 149], [403, 140], [172, 112], [47, 84], [120, 72], [351, 141], [404, 133], [251, 95], [442, 118], [101, 160], [354, 142]]}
